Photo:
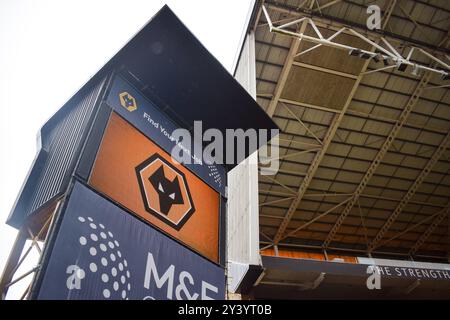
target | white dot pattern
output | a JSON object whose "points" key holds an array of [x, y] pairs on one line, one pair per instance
{"points": [[93, 267], [106, 259], [215, 174], [83, 241]]}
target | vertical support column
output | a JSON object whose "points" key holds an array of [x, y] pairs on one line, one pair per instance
{"points": [[11, 263], [243, 259]]}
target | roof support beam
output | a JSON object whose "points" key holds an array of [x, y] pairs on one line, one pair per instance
{"points": [[326, 70], [356, 113], [279, 183], [437, 221], [288, 155], [326, 5], [308, 178], [386, 55], [412, 190], [273, 202], [308, 105], [291, 172], [320, 155], [338, 23], [295, 45], [344, 249], [302, 124], [315, 219], [380, 155], [313, 195], [412, 227], [291, 141]]}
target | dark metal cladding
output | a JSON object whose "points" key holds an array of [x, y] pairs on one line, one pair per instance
{"points": [[60, 140], [175, 69]]}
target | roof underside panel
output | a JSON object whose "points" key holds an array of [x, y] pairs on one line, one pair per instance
{"points": [[325, 85]]}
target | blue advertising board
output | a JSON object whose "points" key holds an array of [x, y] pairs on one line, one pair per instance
{"points": [[147, 118], [103, 252]]}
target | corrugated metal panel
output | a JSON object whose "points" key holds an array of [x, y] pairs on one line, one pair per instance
{"points": [[64, 141], [61, 138]]}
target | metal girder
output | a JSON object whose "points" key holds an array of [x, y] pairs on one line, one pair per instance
{"points": [[390, 55], [280, 184], [314, 219], [308, 178], [299, 142], [437, 221], [380, 155], [420, 203], [286, 68], [258, 15], [433, 160], [302, 124], [12, 262], [360, 114], [412, 190], [336, 23], [288, 155], [18, 255], [343, 249], [326, 70], [291, 172], [326, 5], [275, 201], [363, 224], [412, 227], [392, 121], [363, 195], [308, 105], [326, 143], [390, 8]]}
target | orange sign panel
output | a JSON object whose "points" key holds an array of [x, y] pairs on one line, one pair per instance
{"points": [[142, 177]]}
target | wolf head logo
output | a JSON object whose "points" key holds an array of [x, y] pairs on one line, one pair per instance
{"points": [[165, 191], [169, 191], [127, 101]]}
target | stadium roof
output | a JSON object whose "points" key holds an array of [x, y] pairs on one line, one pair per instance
{"points": [[364, 164]]}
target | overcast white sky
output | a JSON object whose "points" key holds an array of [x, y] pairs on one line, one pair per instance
{"points": [[49, 49]]}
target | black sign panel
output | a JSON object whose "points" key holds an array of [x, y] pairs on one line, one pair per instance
{"points": [[102, 252]]}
